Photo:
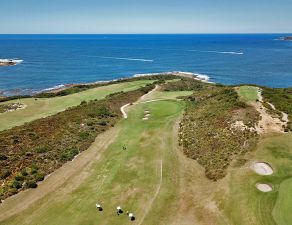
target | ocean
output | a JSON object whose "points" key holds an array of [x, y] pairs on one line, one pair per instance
{"points": [[54, 60]]}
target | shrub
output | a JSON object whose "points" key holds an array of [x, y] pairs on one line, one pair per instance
{"points": [[83, 103], [4, 174], [39, 177], [3, 157], [19, 177], [16, 184], [31, 184], [42, 149]]}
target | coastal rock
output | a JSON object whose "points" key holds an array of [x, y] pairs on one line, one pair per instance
{"points": [[288, 38], [10, 62]]}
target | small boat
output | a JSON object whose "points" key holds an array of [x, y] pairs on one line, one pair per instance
{"points": [[10, 62]]}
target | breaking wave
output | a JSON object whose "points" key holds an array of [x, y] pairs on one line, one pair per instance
{"points": [[199, 76], [53, 88]]}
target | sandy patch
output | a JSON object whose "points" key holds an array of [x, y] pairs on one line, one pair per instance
{"points": [[239, 125], [262, 168], [267, 123], [145, 118], [264, 187]]}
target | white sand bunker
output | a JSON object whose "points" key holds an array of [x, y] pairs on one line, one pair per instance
{"points": [[145, 118], [264, 187], [262, 168]]}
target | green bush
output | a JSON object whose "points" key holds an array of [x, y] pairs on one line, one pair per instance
{"points": [[39, 177], [16, 184], [3, 157], [5, 173], [31, 184], [19, 177]]}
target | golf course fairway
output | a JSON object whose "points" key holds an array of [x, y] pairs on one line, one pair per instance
{"points": [[140, 179], [43, 107]]}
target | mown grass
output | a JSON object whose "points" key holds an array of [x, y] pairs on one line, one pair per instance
{"points": [[31, 151], [128, 178], [244, 204], [43, 107], [248, 93]]}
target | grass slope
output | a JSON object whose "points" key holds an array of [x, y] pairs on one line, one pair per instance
{"points": [[248, 93], [130, 178], [43, 107]]}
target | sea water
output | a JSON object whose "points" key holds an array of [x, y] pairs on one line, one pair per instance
{"points": [[55, 60]]}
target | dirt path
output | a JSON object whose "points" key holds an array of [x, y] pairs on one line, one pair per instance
{"points": [[123, 110], [74, 172], [125, 115], [267, 123]]}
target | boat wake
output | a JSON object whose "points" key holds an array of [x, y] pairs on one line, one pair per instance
{"points": [[218, 52], [127, 59]]}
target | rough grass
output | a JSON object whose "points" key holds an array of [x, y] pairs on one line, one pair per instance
{"points": [[43, 107], [248, 93], [128, 178], [281, 98], [31, 151], [206, 133]]}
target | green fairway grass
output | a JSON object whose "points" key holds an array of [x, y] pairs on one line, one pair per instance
{"points": [[248, 206], [130, 178], [248, 93], [43, 107]]}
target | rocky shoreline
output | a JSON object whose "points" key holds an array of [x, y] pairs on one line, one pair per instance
{"points": [[288, 38], [9, 62]]}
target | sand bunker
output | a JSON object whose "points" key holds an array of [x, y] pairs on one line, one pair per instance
{"points": [[262, 168], [264, 187], [145, 118]]}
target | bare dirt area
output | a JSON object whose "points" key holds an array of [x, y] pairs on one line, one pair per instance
{"points": [[268, 123]]}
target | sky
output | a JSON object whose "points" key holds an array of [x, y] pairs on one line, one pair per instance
{"points": [[145, 16]]}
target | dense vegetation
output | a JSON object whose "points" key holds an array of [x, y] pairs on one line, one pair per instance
{"points": [[10, 107], [206, 132], [281, 98], [33, 150]]}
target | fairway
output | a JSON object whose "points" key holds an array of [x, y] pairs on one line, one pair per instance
{"points": [[43, 107], [248, 93], [140, 178]]}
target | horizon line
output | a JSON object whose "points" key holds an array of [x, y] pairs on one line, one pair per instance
{"points": [[142, 33]]}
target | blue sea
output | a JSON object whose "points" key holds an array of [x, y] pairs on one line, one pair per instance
{"points": [[52, 60]]}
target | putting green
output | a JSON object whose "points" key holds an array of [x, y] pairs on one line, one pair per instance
{"points": [[248, 93], [245, 204], [283, 208], [141, 179], [43, 107]]}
